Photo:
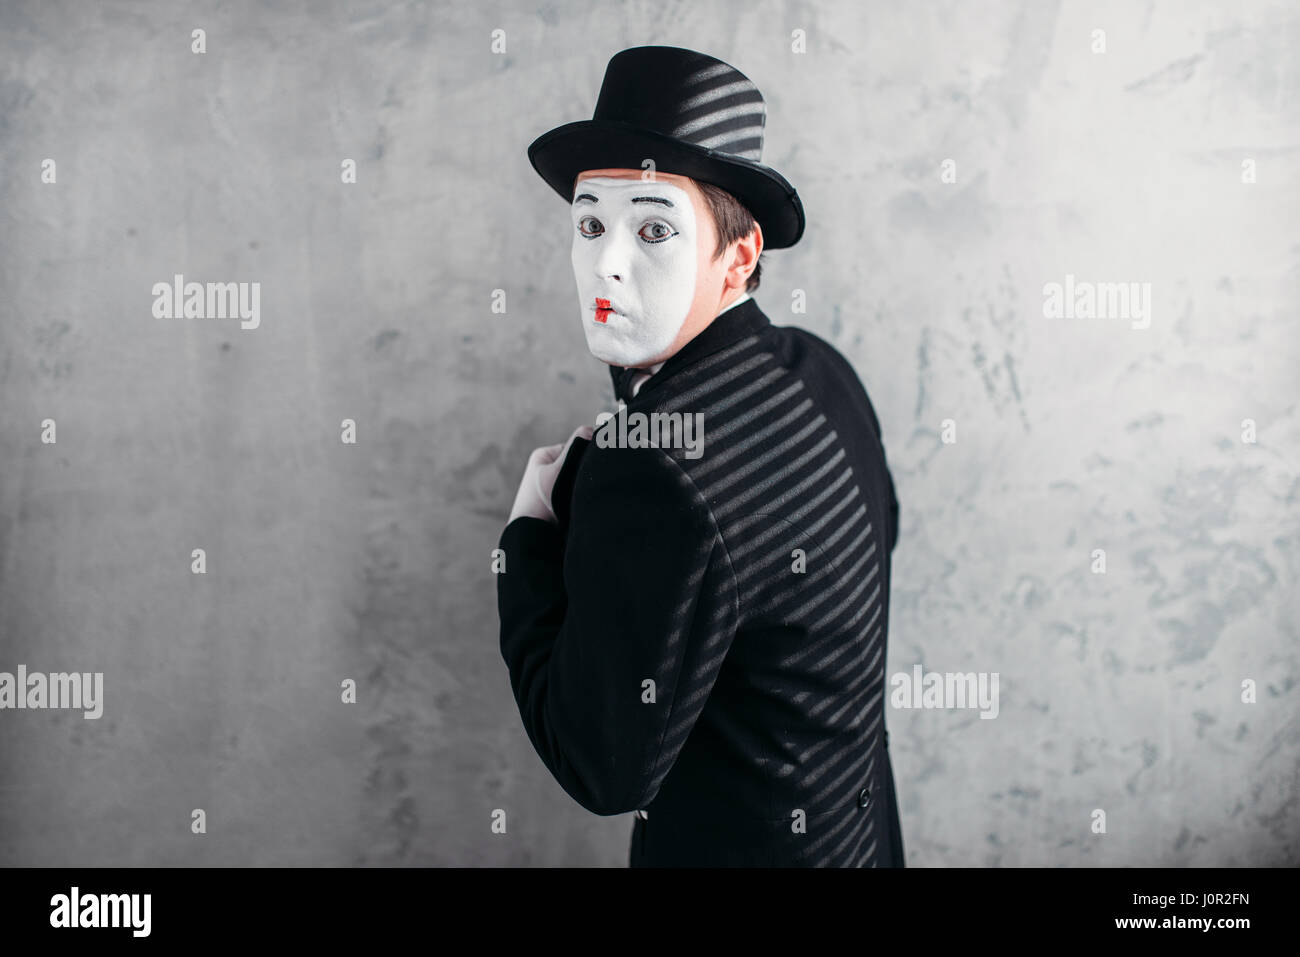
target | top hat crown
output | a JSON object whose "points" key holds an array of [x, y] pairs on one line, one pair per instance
{"points": [[689, 113]]}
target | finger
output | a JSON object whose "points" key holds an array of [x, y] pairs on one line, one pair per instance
{"points": [[544, 454]]}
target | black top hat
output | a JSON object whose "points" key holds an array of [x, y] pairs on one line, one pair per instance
{"points": [[691, 114]]}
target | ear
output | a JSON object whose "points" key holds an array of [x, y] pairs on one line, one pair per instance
{"points": [[744, 258]]}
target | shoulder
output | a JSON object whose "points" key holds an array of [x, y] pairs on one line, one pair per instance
{"points": [[827, 367], [636, 516], [819, 349], [634, 484]]}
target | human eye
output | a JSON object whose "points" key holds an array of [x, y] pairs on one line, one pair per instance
{"points": [[589, 219], [660, 231]]}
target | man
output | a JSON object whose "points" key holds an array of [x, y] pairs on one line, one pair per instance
{"points": [[700, 639]]}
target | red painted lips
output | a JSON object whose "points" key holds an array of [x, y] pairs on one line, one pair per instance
{"points": [[602, 310]]}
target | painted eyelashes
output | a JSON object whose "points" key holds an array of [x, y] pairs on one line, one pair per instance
{"points": [[658, 239]]}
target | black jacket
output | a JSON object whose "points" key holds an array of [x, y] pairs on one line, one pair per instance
{"points": [[670, 649]]}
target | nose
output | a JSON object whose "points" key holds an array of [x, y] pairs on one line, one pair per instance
{"points": [[611, 260]]}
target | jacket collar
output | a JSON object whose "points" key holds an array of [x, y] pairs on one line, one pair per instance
{"points": [[744, 319]]}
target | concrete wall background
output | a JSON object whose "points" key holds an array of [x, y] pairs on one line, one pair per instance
{"points": [[371, 562]]}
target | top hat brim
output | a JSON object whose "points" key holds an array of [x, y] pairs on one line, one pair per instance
{"points": [[562, 153]]}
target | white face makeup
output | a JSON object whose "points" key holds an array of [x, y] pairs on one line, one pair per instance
{"points": [[634, 251]]}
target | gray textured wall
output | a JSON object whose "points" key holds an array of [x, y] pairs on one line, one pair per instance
{"points": [[329, 561]]}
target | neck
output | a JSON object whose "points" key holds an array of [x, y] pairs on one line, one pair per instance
{"points": [[741, 297]]}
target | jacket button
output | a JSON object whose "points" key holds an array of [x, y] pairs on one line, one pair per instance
{"points": [[864, 797]]}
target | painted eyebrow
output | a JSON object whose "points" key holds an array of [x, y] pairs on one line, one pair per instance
{"points": [[636, 199]]}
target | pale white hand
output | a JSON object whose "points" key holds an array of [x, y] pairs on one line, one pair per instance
{"points": [[534, 495]]}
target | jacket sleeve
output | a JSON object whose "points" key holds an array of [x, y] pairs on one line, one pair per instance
{"points": [[893, 496], [614, 628], [893, 511], [850, 380]]}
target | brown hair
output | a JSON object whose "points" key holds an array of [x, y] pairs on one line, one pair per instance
{"points": [[733, 221]]}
